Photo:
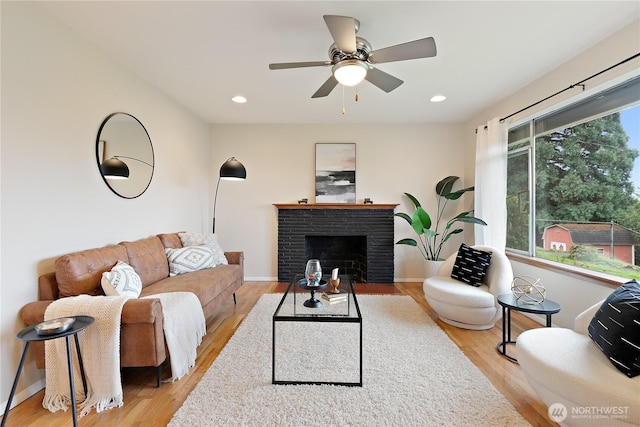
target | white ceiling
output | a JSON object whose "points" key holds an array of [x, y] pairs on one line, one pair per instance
{"points": [[203, 53]]}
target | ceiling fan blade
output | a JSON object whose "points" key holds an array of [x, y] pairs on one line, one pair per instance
{"points": [[343, 31], [384, 81], [423, 48], [285, 65], [326, 88]]}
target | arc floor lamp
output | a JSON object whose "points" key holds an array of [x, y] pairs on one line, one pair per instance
{"points": [[231, 170]]}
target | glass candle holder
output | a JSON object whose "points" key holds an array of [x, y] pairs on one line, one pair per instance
{"points": [[313, 272]]}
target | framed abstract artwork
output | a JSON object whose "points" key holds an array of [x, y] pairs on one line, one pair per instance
{"points": [[335, 173]]}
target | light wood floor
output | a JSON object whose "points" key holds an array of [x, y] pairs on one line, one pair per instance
{"points": [[146, 405]]}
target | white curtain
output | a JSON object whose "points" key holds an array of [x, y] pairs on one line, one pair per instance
{"points": [[491, 184]]}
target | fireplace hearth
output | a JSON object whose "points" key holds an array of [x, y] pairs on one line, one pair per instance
{"points": [[357, 239]]}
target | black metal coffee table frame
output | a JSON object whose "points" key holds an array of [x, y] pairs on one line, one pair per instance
{"points": [[509, 302], [322, 317]]}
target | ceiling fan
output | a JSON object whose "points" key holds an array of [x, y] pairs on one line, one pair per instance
{"points": [[352, 58]]}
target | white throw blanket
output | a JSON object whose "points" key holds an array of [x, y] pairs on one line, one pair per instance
{"points": [[184, 326], [100, 347]]}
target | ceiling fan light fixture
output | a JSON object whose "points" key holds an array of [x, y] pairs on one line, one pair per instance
{"points": [[350, 72]]}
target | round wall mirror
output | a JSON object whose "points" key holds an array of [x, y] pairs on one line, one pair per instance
{"points": [[125, 155]]}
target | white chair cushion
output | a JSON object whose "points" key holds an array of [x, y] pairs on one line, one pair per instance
{"points": [[454, 292], [561, 362]]}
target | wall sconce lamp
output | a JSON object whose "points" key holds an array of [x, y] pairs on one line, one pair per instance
{"points": [[114, 168], [231, 170]]}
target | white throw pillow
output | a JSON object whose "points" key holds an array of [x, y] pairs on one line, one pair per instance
{"points": [[122, 281], [188, 259], [209, 239]]}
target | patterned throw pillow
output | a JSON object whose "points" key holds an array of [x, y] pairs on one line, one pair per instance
{"points": [[615, 328], [471, 265], [122, 281], [209, 239], [188, 259]]}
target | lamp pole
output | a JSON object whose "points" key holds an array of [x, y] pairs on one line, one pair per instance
{"points": [[215, 201]]}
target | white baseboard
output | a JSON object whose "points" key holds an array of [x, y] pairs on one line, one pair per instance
{"points": [[24, 394], [260, 279]]}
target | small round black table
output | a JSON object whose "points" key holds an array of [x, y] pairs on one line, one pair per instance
{"points": [[510, 302], [29, 334]]}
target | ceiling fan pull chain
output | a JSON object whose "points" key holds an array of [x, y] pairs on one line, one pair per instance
{"points": [[343, 110], [356, 93]]}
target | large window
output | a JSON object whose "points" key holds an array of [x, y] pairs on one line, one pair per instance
{"points": [[573, 190]]}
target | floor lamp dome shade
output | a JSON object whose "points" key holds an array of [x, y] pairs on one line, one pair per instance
{"points": [[114, 168], [232, 170]]}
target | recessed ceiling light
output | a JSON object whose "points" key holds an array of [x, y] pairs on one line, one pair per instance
{"points": [[239, 99], [438, 98]]}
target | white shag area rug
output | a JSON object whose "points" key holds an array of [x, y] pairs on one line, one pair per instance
{"points": [[413, 374]]}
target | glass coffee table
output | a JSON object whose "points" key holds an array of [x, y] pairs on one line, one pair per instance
{"points": [[317, 345]]}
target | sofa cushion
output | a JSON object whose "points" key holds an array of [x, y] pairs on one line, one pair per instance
{"points": [[471, 265], [199, 282], [189, 259], [170, 240], [148, 259], [615, 328], [121, 281], [209, 239], [80, 273]]}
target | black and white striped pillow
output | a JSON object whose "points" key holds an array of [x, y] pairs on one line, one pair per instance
{"points": [[615, 328], [471, 265]]}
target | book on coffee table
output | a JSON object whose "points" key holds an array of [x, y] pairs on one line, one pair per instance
{"points": [[330, 296]]}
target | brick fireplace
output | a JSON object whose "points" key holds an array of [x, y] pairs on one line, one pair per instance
{"points": [[356, 238]]}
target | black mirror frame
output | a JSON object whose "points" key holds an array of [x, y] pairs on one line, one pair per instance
{"points": [[99, 155]]}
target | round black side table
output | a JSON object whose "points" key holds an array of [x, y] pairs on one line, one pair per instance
{"points": [[29, 335], [509, 302]]}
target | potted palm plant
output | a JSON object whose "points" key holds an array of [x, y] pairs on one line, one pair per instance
{"points": [[431, 234]]}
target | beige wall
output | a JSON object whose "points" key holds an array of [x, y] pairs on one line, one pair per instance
{"points": [[280, 163], [56, 90], [573, 294]]}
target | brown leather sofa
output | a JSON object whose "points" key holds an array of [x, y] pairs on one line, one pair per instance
{"points": [[141, 337]]}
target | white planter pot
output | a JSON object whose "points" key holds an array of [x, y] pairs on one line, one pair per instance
{"points": [[431, 268]]}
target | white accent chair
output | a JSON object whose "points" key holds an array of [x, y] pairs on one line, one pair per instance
{"points": [[565, 366], [466, 306]]}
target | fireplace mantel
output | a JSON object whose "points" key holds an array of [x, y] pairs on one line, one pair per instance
{"points": [[335, 206]]}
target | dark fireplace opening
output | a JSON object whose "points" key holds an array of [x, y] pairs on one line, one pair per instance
{"points": [[348, 253]]}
